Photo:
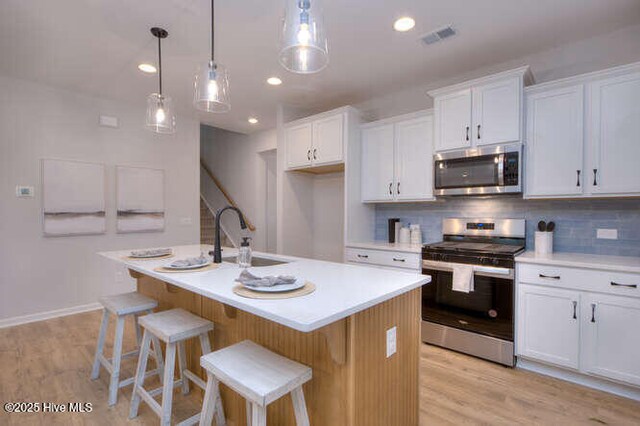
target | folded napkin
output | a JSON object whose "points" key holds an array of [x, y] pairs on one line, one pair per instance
{"points": [[151, 252], [246, 278], [192, 261]]}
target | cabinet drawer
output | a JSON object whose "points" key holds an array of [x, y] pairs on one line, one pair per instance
{"points": [[384, 258], [618, 283]]}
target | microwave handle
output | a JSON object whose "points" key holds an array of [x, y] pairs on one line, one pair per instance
{"points": [[501, 170]]}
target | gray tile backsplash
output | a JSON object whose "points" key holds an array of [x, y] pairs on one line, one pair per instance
{"points": [[576, 220]]}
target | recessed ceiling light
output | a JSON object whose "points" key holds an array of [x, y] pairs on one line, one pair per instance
{"points": [[148, 68], [274, 81], [253, 120], [404, 24]]}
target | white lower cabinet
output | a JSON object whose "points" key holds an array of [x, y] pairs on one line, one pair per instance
{"points": [[611, 336], [549, 328], [583, 320]]}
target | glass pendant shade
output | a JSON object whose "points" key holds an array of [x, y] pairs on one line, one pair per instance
{"points": [[160, 114], [211, 88], [303, 42]]}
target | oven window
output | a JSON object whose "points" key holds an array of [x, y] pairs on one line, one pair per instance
{"points": [[467, 172], [487, 310]]}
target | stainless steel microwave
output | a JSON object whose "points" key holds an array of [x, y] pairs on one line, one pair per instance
{"points": [[478, 171]]}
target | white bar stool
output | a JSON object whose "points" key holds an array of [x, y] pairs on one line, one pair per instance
{"points": [[173, 327], [257, 374], [122, 305]]}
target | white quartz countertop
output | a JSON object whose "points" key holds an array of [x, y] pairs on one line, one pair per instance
{"points": [[383, 245], [586, 261], [341, 289]]}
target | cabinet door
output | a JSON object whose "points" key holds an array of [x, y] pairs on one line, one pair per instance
{"points": [[496, 113], [548, 325], [453, 121], [298, 143], [611, 340], [414, 159], [377, 163], [555, 140], [328, 140], [615, 135]]}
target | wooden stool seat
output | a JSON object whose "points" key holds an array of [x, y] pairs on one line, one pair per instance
{"points": [[257, 374], [173, 327], [128, 303], [123, 305]]}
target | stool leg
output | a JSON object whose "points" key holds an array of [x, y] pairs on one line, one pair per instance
{"points": [[157, 350], [182, 356], [212, 403], [167, 387], [95, 372], [258, 415], [299, 407], [138, 331], [117, 356], [140, 373], [248, 409]]}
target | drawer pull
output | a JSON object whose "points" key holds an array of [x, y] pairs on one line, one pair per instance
{"points": [[593, 312], [575, 307], [363, 256], [550, 277], [613, 283], [395, 259]]}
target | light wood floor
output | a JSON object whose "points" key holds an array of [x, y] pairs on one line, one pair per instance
{"points": [[51, 361]]}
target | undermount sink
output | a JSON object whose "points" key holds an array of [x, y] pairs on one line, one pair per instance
{"points": [[256, 261]]}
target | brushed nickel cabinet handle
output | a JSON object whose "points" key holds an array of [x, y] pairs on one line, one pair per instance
{"points": [[578, 178], [467, 136], [363, 256], [395, 259], [398, 188], [595, 177], [613, 283], [575, 308], [549, 277], [593, 312], [478, 131], [315, 151], [309, 155], [390, 190]]}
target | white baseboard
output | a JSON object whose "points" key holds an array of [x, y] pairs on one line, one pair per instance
{"points": [[25, 319], [582, 379]]}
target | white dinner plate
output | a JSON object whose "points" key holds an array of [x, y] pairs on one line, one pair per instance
{"points": [[278, 288], [149, 256], [186, 268]]}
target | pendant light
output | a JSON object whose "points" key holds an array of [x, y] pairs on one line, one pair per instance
{"points": [[303, 42], [211, 86], [160, 117]]}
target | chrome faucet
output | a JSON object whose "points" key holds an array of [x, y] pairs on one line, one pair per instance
{"points": [[217, 250]]}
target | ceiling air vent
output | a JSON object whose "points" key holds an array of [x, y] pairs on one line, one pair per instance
{"points": [[437, 35]]}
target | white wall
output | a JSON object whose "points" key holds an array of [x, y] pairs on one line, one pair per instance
{"points": [[237, 160], [39, 274]]}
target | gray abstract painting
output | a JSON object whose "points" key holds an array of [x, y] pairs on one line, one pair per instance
{"points": [[140, 199]]}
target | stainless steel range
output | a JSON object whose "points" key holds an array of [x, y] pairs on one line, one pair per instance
{"points": [[479, 320]]}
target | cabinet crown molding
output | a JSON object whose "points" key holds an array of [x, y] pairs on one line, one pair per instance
{"points": [[397, 118], [522, 72], [341, 110]]}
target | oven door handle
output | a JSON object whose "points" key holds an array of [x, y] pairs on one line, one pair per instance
{"points": [[485, 271]]}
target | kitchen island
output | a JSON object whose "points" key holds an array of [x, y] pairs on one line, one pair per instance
{"points": [[339, 330]]}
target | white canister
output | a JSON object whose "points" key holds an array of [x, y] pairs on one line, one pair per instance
{"points": [[416, 234], [405, 235], [543, 243]]}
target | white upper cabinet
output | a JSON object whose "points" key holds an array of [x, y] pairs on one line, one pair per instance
{"points": [[548, 325], [453, 120], [497, 111], [414, 158], [582, 136], [298, 141], [615, 135], [486, 111], [377, 163], [555, 139], [397, 159], [327, 140], [315, 141], [612, 323]]}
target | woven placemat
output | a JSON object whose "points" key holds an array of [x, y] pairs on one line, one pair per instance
{"points": [[185, 271], [241, 290], [164, 256]]}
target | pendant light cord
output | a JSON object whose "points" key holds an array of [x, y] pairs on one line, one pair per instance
{"points": [[213, 39], [159, 67]]}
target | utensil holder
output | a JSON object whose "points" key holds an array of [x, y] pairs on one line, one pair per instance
{"points": [[543, 243]]}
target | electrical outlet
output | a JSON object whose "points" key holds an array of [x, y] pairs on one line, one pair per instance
{"points": [[24, 191], [607, 234], [391, 341]]}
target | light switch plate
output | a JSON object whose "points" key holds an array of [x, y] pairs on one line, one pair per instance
{"points": [[108, 121], [24, 191], [607, 234], [391, 341]]}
